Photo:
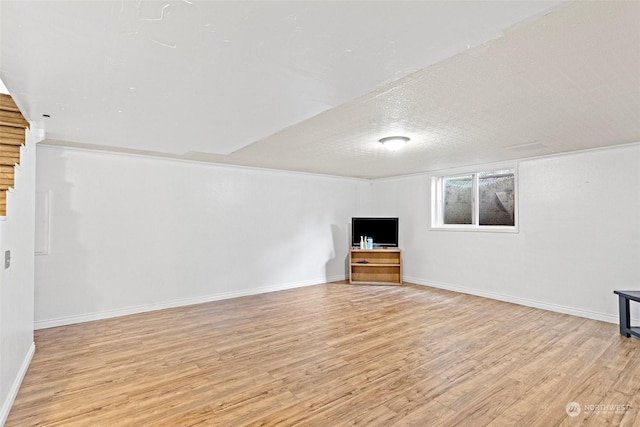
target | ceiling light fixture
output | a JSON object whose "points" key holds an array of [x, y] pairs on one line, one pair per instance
{"points": [[394, 143]]}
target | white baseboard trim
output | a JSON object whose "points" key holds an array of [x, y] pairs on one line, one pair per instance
{"points": [[15, 387], [106, 314], [604, 317]]}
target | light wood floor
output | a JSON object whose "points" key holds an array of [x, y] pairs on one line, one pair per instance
{"points": [[332, 355]]}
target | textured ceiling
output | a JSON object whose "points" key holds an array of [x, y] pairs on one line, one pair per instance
{"points": [[312, 86]]}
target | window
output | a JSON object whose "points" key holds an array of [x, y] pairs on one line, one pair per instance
{"points": [[484, 200]]}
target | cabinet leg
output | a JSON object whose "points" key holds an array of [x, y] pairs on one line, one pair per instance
{"points": [[625, 316]]}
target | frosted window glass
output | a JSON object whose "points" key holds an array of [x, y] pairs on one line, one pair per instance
{"points": [[495, 197], [458, 199]]}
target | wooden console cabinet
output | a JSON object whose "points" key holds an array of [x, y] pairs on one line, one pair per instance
{"points": [[375, 266]]}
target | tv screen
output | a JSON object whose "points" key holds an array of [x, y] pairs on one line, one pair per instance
{"points": [[383, 231]]}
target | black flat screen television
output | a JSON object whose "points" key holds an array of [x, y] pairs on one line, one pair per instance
{"points": [[383, 231]]}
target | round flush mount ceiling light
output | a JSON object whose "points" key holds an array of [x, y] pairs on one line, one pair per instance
{"points": [[394, 143]]}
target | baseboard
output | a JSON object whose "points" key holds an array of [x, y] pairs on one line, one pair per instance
{"points": [[88, 317], [604, 317], [15, 387]]}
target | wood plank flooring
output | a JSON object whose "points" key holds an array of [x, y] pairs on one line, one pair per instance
{"points": [[333, 355]]}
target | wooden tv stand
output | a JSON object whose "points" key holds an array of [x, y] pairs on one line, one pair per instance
{"points": [[375, 266]]}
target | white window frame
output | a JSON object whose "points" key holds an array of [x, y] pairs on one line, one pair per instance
{"points": [[437, 202]]}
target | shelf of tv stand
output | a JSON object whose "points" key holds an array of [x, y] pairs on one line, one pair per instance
{"points": [[375, 266]]}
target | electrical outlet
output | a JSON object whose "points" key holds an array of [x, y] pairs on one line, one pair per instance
{"points": [[7, 259]]}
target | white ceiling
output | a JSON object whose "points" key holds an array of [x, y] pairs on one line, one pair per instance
{"points": [[312, 85]]}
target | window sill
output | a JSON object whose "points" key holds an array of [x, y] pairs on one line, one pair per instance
{"points": [[474, 228]]}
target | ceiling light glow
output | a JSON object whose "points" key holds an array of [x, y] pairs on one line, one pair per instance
{"points": [[394, 143]]}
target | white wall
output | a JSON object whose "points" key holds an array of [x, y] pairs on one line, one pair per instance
{"points": [[17, 281], [578, 240], [131, 233]]}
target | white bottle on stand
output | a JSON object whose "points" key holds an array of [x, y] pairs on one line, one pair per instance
{"points": [[362, 240]]}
